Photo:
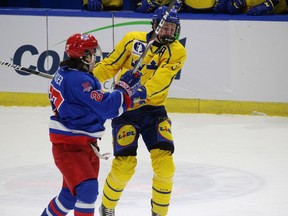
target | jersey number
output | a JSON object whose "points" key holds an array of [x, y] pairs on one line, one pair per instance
{"points": [[55, 97], [96, 95]]}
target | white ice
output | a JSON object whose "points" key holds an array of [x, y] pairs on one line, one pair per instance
{"points": [[227, 165]]}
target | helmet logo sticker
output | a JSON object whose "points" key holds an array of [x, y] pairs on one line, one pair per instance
{"points": [[84, 37], [138, 47]]}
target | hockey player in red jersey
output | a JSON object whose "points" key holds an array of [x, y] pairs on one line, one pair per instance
{"points": [[80, 110]]}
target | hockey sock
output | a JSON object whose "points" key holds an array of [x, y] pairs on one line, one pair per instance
{"points": [[86, 194], [163, 166], [123, 168], [60, 205]]}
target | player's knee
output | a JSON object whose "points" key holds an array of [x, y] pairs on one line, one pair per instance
{"points": [[162, 163], [66, 198], [123, 167], [87, 191]]}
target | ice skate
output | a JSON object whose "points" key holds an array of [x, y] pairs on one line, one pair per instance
{"points": [[155, 214], [107, 212]]}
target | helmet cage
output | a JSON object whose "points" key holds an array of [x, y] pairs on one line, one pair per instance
{"points": [[95, 53]]}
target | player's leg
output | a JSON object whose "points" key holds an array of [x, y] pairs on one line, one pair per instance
{"points": [[79, 166], [82, 203], [125, 145], [123, 168], [157, 135], [163, 167], [84, 182], [61, 204], [86, 194]]}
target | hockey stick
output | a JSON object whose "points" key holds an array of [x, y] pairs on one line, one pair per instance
{"points": [[154, 35], [26, 70]]}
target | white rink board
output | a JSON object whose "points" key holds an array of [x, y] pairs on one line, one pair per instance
{"points": [[226, 60]]}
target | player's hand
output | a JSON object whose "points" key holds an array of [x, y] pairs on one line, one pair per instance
{"points": [[94, 5], [235, 6], [264, 8], [220, 6], [178, 5], [147, 6], [129, 82], [139, 96]]}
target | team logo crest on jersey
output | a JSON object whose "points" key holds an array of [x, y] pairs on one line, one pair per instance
{"points": [[138, 47], [87, 87], [164, 131], [126, 135]]}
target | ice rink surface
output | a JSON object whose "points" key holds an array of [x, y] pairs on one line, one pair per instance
{"points": [[226, 165]]}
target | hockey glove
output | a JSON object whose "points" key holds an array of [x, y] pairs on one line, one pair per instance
{"points": [[264, 8], [129, 82], [139, 96], [94, 5], [235, 6], [178, 5], [147, 6], [220, 6]]}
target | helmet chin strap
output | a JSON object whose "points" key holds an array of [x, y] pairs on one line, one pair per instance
{"points": [[168, 39], [93, 58], [90, 65], [165, 39]]}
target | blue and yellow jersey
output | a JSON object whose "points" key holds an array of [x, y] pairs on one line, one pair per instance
{"points": [[279, 8], [159, 67]]}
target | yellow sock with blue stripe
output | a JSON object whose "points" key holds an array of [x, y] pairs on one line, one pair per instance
{"points": [[123, 168]]}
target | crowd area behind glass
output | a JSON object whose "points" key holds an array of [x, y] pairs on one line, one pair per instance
{"points": [[248, 7]]}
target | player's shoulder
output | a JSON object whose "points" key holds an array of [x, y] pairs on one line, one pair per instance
{"points": [[135, 34], [79, 78], [176, 45]]}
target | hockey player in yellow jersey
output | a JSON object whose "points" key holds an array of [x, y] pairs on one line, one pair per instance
{"points": [[149, 6], [251, 7], [98, 5], [264, 7], [148, 117]]}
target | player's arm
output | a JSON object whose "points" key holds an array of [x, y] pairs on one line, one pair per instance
{"points": [[267, 7], [165, 74], [110, 66], [106, 104], [92, 5]]}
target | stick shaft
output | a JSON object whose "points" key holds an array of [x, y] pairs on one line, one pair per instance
{"points": [[26, 70]]}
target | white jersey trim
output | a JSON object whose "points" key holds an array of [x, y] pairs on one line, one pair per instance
{"points": [[58, 126], [121, 110]]}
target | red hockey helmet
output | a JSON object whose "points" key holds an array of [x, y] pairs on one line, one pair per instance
{"points": [[79, 45]]}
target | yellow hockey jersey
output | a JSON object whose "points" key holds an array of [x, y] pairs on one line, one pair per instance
{"points": [[200, 4], [108, 4], [159, 67], [279, 8]]}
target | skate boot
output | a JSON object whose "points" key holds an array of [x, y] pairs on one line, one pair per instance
{"points": [[154, 214], [105, 211]]}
